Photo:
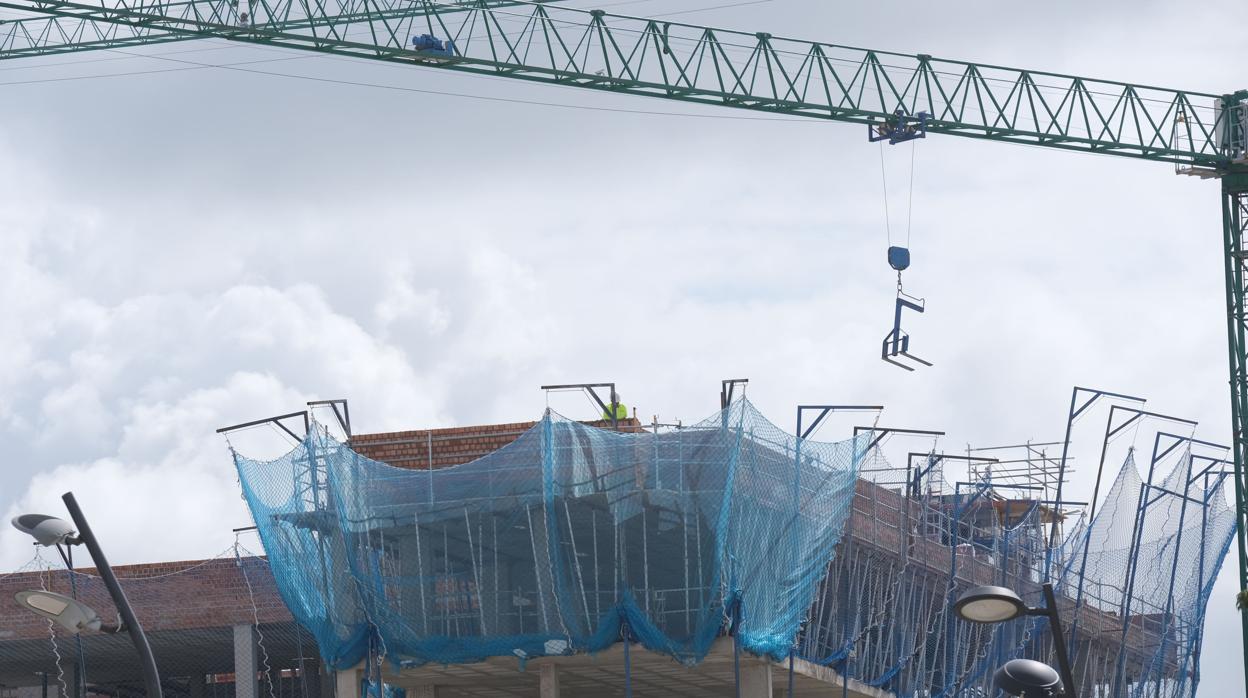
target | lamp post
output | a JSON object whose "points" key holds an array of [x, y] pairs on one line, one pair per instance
{"points": [[51, 531], [71, 614], [1022, 677]]}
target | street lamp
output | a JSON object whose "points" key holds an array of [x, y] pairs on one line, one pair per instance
{"points": [[989, 605], [1029, 678], [71, 614], [46, 530], [1022, 677]]}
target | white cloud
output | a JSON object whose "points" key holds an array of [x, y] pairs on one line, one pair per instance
{"points": [[237, 245], [169, 493], [403, 306]]}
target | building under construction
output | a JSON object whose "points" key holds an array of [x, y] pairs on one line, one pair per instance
{"points": [[776, 557], [726, 557]]}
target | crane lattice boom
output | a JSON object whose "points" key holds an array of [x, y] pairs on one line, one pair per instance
{"points": [[593, 49]]}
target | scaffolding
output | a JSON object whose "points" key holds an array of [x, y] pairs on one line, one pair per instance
{"points": [[573, 538]]}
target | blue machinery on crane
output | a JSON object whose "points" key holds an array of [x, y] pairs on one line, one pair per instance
{"points": [[899, 128], [433, 46]]}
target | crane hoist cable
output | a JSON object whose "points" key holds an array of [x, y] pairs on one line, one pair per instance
{"points": [[899, 128]]}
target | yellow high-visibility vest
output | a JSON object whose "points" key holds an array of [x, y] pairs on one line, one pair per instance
{"points": [[621, 412]]}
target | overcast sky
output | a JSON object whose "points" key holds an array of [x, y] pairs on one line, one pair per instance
{"points": [[199, 247]]}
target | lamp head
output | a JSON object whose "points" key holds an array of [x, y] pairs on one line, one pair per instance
{"points": [[1028, 678], [46, 530], [72, 615], [989, 604]]}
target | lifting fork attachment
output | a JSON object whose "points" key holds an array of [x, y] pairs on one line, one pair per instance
{"points": [[897, 342]]}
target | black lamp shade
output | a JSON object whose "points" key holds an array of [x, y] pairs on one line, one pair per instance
{"points": [[1028, 678], [989, 604]]}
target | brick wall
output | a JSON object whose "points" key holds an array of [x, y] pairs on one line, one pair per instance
{"points": [[165, 596], [446, 447]]}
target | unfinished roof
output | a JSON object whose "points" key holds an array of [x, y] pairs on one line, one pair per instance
{"points": [[569, 538]]}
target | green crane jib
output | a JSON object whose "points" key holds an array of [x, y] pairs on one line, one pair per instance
{"points": [[1202, 134], [546, 43]]}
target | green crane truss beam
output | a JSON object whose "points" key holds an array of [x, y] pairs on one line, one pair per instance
{"points": [[685, 62], [1201, 133], [74, 32]]}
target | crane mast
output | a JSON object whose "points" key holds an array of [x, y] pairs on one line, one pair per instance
{"points": [[1235, 255], [1202, 134]]}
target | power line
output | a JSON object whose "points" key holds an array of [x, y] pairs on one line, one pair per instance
{"points": [[510, 100], [195, 65], [712, 7], [132, 56]]}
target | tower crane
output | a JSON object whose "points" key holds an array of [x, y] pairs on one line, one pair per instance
{"points": [[1202, 134]]}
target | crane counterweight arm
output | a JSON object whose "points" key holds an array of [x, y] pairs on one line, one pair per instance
{"points": [[690, 63]]}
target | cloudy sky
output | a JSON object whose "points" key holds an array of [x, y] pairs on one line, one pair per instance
{"points": [[187, 247]]}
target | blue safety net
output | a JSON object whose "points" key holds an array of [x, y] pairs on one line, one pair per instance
{"points": [[1138, 576], [574, 537], [1132, 584], [569, 539]]}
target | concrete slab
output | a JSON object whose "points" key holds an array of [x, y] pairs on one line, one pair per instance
{"points": [[652, 676]]}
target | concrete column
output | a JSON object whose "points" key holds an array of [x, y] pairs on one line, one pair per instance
{"points": [[324, 681], [195, 685], [348, 683], [548, 686], [246, 663], [755, 680], [74, 682]]}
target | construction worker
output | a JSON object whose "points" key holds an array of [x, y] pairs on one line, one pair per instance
{"points": [[621, 412]]}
